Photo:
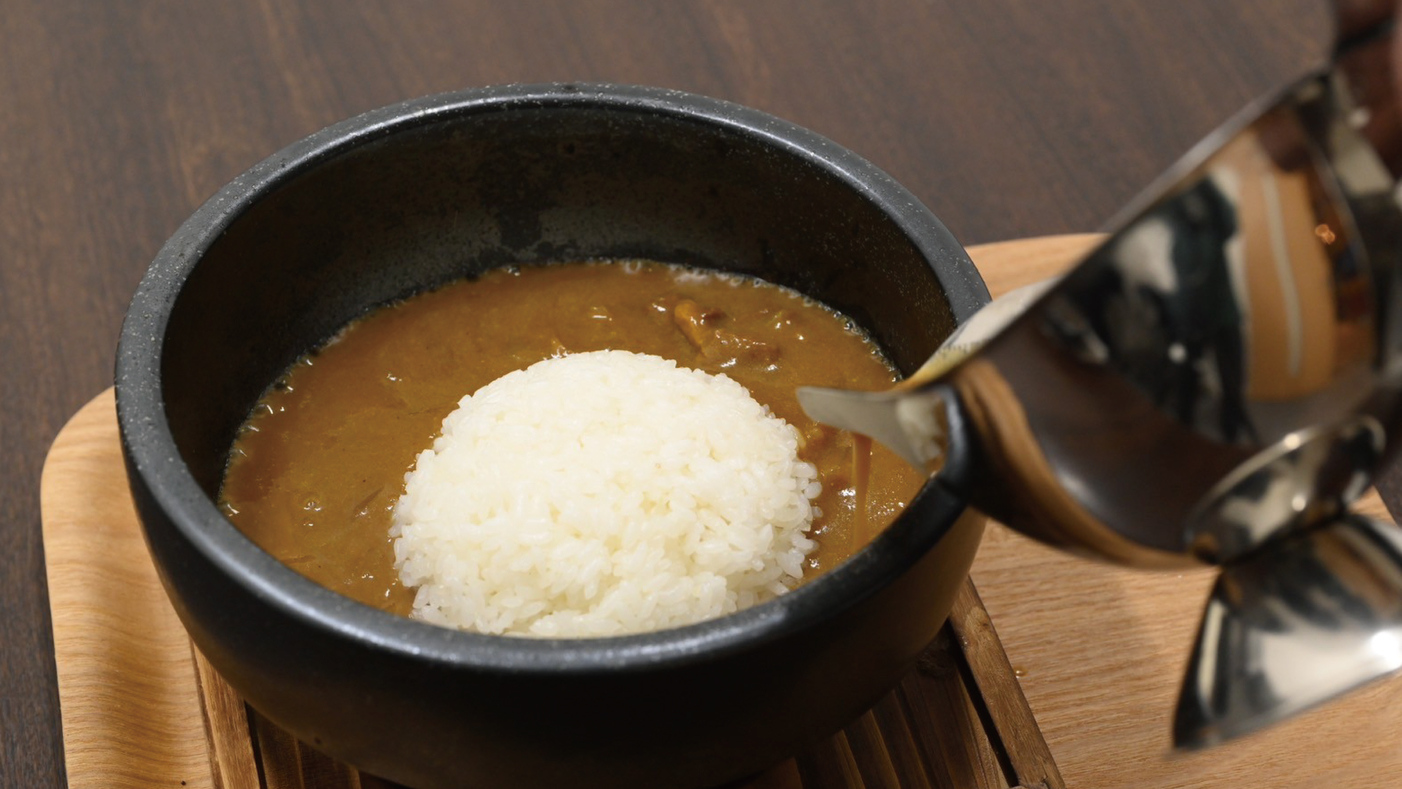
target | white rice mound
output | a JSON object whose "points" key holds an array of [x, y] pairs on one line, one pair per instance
{"points": [[603, 493]]}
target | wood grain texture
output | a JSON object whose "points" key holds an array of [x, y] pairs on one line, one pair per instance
{"points": [[1009, 118], [157, 705], [990, 670], [228, 732]]}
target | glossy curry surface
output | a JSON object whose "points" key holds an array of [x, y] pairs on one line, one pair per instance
{"points": [[316, 470]]}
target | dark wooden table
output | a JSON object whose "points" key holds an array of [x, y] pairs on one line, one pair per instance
{"points": [[118, 117]]}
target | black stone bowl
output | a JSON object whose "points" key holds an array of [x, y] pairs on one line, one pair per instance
{"points": [[417, 194]]}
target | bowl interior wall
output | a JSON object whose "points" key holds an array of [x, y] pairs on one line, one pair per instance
{"points": [[453, 198]]}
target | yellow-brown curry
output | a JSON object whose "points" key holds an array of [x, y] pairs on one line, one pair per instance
{"points": [[314, 474]]}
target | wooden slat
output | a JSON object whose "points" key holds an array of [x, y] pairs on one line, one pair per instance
{"points": [[320, 771], [901, 748], [289, 764], [831, 765], [877, 770], [953, 745], [227, 732], [278, 754], [781, 776], [996, 681]]}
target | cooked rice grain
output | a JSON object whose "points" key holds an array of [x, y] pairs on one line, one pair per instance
{"points": [[603, 493]]}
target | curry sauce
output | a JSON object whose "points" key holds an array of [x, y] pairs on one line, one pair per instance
{"points": [[314, 474]]}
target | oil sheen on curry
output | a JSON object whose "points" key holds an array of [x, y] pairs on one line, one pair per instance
{"points": [[316, 471]]}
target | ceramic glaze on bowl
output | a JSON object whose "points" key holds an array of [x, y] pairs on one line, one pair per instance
{"points": [[436, 189]]}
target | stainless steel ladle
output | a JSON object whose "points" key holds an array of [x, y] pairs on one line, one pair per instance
{"points": [[1214, 384]]}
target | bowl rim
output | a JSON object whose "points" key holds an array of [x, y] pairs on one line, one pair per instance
{"points": [[154, 462]]}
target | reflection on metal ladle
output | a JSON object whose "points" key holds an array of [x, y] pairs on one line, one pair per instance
{"points": [[1213, 384]]}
